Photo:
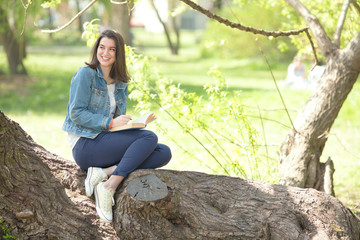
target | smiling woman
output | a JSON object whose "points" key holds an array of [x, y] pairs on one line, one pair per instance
{"points": [[97, 103]]}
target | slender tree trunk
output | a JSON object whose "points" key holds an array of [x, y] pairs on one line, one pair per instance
{"points": [[174, 47], [13, 46], [42, 197], [80, 19], [121, 21], [175, 22], [51, 24]]}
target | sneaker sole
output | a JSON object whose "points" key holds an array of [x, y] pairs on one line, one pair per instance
{"points": [[89, 190]]}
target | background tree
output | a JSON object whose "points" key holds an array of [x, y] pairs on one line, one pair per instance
{"points": [[11, 24], [171, 25], [80, 19], [301, 151], [240, 44], [120, 19]]}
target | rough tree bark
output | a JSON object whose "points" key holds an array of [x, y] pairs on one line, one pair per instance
{"points": [[42, 197], [33, 201], [301, 150], [201, 206]]}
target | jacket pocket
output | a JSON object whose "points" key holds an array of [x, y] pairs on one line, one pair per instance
{"points": [[97, 100]]}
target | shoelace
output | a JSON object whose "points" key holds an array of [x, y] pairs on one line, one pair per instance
{"points": [[98, 177], [107, 198]]}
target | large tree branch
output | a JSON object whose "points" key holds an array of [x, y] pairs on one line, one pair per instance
{"points": [[251, 29], [42, 196], [353, 51], [324, 42], [341, 22], [240, 26]]}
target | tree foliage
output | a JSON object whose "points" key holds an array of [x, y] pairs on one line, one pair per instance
{"points": [[246, 12], [231, 43], [327, 12], [216, 119]]}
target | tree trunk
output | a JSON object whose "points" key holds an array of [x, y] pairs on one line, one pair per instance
{"points": [[14, 47], [121, 21], [201, 206], [80, 19], [42, 197], [175, 23], [33, 201], [174, 47], [300, 153]]}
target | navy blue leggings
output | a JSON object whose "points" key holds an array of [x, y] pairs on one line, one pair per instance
{"points": [[129, 150]]}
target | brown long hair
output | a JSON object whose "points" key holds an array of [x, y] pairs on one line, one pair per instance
{"points": [[118, 70]]}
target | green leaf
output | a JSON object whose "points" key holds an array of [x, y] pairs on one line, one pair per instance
{"points": [[91, 32]]}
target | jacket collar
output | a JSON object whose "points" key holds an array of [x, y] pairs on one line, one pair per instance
{"points": [[99, 72]]}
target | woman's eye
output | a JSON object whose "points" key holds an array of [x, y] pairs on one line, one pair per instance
{"points": [[113, 50]]}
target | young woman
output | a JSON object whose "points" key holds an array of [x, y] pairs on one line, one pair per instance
{"points": [[97, 103]]}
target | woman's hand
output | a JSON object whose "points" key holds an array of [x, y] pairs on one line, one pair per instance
{"points": [[121, 120]]}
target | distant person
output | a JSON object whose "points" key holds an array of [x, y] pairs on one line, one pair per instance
{"points": [[97, 103], [315, 74], [296, 75]]}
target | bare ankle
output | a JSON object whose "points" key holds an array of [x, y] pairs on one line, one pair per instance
{"points": [[113, 182], [109, 171]]}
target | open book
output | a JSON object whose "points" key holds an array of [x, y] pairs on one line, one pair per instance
{"points": [[139, 123]]}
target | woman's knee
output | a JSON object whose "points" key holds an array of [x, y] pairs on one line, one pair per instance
{"points": [[150, 136], [166, 151]]}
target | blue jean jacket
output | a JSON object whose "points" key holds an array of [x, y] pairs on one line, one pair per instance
{"points": [[89, 104]]}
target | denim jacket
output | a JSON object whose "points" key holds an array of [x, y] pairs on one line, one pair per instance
{"points": [[88, 109]]}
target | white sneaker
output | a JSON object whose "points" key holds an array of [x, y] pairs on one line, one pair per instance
{"points": [[104, 202], [94, 176]]}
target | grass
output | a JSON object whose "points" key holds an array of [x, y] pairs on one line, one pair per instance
{"points": [[39, 103]]}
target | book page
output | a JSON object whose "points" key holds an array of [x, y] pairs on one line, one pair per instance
{"points": [[145, 119], [137, 123]]}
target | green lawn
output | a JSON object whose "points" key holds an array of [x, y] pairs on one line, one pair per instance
{"points": [[39, 102]]}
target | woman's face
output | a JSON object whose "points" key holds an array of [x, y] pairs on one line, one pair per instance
{"points": [[106, 52]]}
